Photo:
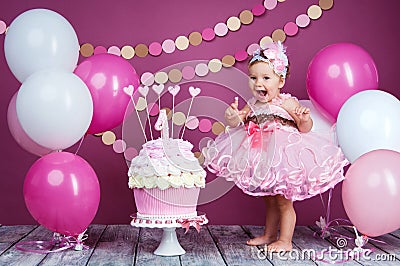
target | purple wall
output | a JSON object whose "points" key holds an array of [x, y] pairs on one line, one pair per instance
{"points": [[372, 25]]}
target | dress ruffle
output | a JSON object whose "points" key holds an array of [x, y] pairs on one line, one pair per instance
{"points": [[276, 159]]}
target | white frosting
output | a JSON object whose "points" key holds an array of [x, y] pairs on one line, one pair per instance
{"points": [[165, 163]]}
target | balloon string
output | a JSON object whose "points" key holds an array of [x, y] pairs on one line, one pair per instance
{"points": [[187, 116], [140, 122], [56, 244], [80, 144]]}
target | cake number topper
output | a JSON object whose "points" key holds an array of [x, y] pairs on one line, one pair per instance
{"points": [[162, 124]]}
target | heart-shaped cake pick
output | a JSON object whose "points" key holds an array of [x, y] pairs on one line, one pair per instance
{"points": [[143, 90], [194, 91], [129, 90], [174, 89]]}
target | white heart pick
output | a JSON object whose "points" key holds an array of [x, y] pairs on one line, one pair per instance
{"points": [[194, 91], [129, 90], [143, 90], [174, 89], [158, 88]]}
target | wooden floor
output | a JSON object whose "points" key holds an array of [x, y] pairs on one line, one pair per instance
{"points": [[214, 245]]}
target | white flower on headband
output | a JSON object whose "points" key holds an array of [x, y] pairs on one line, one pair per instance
{"points": [[275, 56]]}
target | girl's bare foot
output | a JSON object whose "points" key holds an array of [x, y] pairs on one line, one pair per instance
{"points": [[280, 245], [260, 240]]}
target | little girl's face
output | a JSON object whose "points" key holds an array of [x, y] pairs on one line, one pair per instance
{"points": [[263, 82]]}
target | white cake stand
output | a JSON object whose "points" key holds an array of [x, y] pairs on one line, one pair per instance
{"points": [[169, 245]]}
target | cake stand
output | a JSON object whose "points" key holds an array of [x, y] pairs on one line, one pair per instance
{"points": [[169, 245]]}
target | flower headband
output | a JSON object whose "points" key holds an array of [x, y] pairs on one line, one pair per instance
{"points": [[275, 56]]}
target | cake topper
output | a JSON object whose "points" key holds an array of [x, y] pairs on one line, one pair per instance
{"points": [[129, 91], [144, 91], [162, 121], [193, 92], [162, 124]]}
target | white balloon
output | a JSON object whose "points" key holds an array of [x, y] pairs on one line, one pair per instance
{"points": [[321, 125], [54, 108], [40, 39], [367, 121]]}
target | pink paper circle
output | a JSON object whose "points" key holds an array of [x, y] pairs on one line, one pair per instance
{"points": [[270, 4], [208, 34], [188, 72], [221, 29], [205, 125], [252, 48], [155, 48], [153, 109], [290, 28], [100, 50], [168, 46], [114, 50], [258, 10], [130, 153], [241, 55], [3, 27], [302, 20], [147, 78], [119, 146], [192, 122]]}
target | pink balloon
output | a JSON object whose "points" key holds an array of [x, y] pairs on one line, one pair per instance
{"points": [[62, 193], [371, 192], [18, 132], [106, 75], [337, 72]]}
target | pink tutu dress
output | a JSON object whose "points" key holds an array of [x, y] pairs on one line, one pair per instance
{"points": [[268, 155]]}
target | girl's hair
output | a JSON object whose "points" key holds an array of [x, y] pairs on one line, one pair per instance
{"points": [[275, 56]]}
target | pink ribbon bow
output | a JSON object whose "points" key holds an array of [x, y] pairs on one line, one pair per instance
{"points": [[252, 128], [196, 222]]}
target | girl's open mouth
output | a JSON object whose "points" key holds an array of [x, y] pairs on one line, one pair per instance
{"points": [[262, 93]]}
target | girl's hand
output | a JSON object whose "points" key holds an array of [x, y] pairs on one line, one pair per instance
{"points": [[302, 113], [233, 115]]}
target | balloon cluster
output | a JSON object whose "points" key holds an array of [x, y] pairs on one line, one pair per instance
{"points": [[57, 104], [342, 83]]}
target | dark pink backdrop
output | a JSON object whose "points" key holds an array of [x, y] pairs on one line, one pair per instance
{"points": [[372, 25]]}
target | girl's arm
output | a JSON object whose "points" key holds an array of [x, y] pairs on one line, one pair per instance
{"points": [[300, 114]]}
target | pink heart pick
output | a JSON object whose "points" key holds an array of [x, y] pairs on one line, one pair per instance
{"points": [[174, 89], [143, 90], [194, 91], [129, 90], [158, 88]]}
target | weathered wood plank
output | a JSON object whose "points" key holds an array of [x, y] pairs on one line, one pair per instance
{"points": [[287, 258], [149, 239], [9, 235], [116, 246], [16, 257], [72, 257], [323, 249], [231, 241], [396, 233], [200, 248]]}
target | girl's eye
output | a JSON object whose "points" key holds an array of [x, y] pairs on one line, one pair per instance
{"points": [[266, 78], [253, 78]]}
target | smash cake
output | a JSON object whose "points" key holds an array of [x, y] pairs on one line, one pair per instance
{"points": [[166, 178]]}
